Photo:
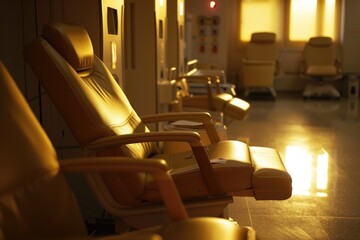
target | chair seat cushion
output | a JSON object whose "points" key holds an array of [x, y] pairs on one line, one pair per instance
{"points": [[270, 179], [234, 164], [193, 228], [258, 172], [321, 70]]}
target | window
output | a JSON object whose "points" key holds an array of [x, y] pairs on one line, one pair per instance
{"points": [[310, 18], [260, 16], [292, 20]]}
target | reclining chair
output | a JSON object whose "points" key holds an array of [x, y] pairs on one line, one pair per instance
{"points": [[194, 68], [321, 63], [225, 103], [104, 124], [260, 66], [37, 203]]}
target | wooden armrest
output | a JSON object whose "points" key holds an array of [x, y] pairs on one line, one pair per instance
{"points": [[156, 167], [193, 138], [208, 80], [203, 117]]}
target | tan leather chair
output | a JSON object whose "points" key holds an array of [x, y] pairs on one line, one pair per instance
{"points": [[224, 103], [321, 64], [104, 123], [37, 203], [210, 92], [260, 65]]}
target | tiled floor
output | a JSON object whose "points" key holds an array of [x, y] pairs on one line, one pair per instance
{"points": [[319, 142]]}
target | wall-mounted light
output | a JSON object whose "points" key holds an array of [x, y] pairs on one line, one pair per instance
{"points": [[213, 4]]}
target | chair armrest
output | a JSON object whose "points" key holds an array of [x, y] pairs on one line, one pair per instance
{"points": [[193, 138], [214, 79], [156, 167], [203, 117], [206, 80]]}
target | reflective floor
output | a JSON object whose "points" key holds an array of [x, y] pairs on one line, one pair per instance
{"points": [[319, 142]]}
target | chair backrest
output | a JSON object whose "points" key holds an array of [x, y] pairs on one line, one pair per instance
{"points": [[35, 200], [82, 88], [89, 99], [262, 47], [320, 51]]}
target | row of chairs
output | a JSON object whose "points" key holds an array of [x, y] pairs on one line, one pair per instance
{"points": [[125, 167], [37, 203], [261, 64], [259, 67]]}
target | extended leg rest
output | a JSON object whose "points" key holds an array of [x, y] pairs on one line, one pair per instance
{"points": [[270, 179], [236, 108]]}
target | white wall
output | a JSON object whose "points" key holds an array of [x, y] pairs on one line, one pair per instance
{"points": [[194, 9]]}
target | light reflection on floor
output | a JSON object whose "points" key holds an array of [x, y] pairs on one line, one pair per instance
{"points": [[309, 172], [319, 142]]}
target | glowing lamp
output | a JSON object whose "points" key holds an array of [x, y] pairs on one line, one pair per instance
{"points": [[212, 4]]}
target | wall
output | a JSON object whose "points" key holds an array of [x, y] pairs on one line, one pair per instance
{"points": [[195, 9], [351, 37]]}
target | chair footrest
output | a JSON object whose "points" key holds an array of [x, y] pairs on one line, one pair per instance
{"points": [[270, 180], [236, 108]]}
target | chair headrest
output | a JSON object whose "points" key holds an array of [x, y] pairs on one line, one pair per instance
{"points": [[263, 37], [320, 41], [72, 42]]}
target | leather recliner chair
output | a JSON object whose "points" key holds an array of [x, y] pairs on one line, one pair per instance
{"points": [[321, 65], [260, 65], [104, 124], [225, 103], [37, 203]]}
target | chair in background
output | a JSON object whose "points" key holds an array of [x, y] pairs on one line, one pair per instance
{"points": [[226, 104], [260, 66], [104, 124], [37, 203], [321, 64], [194, 68]]}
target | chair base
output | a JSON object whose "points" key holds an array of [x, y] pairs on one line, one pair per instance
{"points": [[260, 93], [321, 91]]}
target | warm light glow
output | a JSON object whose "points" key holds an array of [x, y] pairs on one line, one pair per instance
{"points": [[161, 3], [329, 18], [240, 103], [302, 20], [181, 8], [212, 4], [113, 55], [298, 164], [259, 16], [305, 23], [322, 171], [309, 173]]}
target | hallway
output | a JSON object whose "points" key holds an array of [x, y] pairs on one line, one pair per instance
{"points": [[319, 142]]}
